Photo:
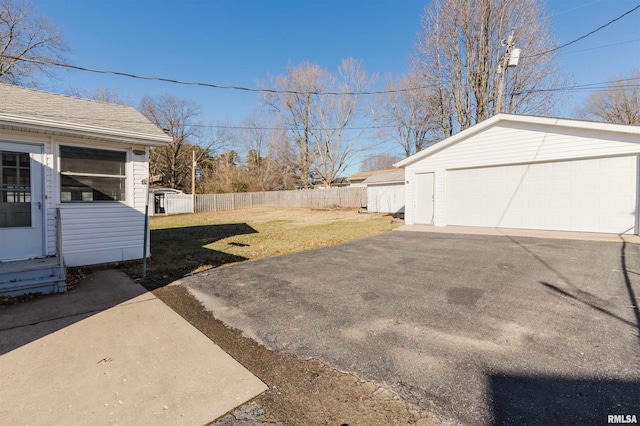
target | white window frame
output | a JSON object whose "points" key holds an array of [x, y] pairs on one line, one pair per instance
{"points": [[127, 176]]}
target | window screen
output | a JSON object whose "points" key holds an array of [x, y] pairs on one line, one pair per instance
{"points": [[88, 174]]}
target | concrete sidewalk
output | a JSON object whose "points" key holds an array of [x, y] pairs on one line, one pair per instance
{"points": [[112, 353], [533, 233]]}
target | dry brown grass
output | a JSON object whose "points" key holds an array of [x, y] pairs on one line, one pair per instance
{"points": [[183, 244]]}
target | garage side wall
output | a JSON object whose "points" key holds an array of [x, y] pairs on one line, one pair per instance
{"points": [[386, 198], [512, 143]]}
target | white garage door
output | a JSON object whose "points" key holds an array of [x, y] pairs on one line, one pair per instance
{"points": [[597, 195]]}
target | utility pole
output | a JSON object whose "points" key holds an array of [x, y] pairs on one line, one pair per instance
{"points": [[509, 59], [193, 173]]}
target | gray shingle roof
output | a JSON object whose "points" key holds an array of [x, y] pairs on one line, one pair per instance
{"points": [[71, 112], [394, 176], [364, 175]]}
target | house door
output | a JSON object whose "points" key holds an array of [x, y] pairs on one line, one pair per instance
{"points": [[21, 201], [424, 198]]}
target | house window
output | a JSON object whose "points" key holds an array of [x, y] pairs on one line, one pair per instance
{"points": [[88, 174]]}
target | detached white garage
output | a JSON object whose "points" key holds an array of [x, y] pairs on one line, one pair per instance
{"points": [[529, 172]]}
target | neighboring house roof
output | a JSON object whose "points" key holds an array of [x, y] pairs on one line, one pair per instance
{"points": [[51, 113], [386, 177], [339, 181], [361, 176], [518, 119]]}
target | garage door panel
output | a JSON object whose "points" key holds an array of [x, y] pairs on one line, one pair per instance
{"points": [[596, 195]]}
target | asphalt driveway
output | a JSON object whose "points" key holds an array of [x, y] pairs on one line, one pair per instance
{"points": [[482, 329]]}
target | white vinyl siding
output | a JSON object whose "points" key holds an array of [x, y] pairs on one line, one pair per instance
{"points": [[509, 144], [140, 172], [50, 212], [104, 232], [101, 233], [385, 198], [512, 143]]}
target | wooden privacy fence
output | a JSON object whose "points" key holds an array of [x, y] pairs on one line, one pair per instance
{"points": [[343, 197], [179, 203]]}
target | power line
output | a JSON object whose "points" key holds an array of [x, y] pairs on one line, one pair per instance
{"points": [[603, 46], [216, 86], [586, 35], [284, 91], [577, 7], [602, 86], [598, 86]]}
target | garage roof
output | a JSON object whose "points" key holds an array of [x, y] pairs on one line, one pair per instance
{"points": [[528, 119], [361, 176], [51, 113], [385, 177]]}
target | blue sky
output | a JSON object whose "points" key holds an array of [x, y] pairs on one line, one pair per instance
{"points": [[243, 42]]}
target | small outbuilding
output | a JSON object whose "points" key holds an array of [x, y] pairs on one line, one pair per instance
{"points": [[72, 185], [514, 171], [385, 191]]}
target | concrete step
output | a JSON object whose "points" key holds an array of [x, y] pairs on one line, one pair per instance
{"points": [[44, 275]]}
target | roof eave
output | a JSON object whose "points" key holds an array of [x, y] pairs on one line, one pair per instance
{"points": [[81, 130], [448, 141], [387, 182], [529, 119]]}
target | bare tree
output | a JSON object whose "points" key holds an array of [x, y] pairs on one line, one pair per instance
{"points": [[262, 139], [619, 103], [179, 118], [294, 104], [284, 154], [319, 122], [459, 51], [378, 162], [104, 94], [25, 37], [407, 113]]}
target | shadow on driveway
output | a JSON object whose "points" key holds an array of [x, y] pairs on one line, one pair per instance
{"points": [[536, 400]]}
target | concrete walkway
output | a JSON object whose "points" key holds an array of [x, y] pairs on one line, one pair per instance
{"points": [[112, 353], [534, 233]]}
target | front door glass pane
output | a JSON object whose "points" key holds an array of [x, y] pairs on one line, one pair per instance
{"points": [[15, 189]]}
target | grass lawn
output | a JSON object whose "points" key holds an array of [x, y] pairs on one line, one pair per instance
{"points": [[182, 244]]}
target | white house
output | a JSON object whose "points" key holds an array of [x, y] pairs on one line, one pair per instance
{"points": [[81, 161], [515, 171], [385, 191]]}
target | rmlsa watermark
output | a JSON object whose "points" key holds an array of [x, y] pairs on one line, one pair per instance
{"points": [[622, 418]]}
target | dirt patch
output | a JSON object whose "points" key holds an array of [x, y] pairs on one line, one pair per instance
{"points": [[75, 275], [301, 392], [6, 301]]}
